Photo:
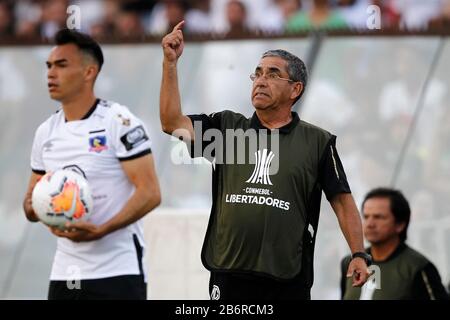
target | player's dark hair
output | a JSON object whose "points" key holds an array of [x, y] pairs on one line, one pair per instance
{"points": [[83, 41]]}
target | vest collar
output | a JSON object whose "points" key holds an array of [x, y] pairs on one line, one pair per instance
{"points": [[255, 123], [402, 246]]}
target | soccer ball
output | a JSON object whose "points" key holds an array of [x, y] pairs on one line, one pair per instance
{"points": [[60, 197]]}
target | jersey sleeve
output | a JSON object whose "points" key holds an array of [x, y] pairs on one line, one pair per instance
{"points": [[129, 134], [202, 123], [331, 171], [37, 163]]}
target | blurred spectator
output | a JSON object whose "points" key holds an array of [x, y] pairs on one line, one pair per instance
{"points": [[175, 12], [54, 17], [100, 18], [199, 16], [354, 12], [28, 15], [288, 7], [143, 8], [128, 24], [107, 25], [236, 13], [166, 14], [390, 16], [6, 19], [140, 6], [320, 16], [267, 16], [284, 9], [92, 13], [443, 20], [415, 14]]}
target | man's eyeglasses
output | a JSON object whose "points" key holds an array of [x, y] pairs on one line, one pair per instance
{"points": [[268, 76]]}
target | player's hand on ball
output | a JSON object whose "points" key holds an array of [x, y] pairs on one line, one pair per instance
{"points": [[32, 216], [79, 231], [173, 43]]}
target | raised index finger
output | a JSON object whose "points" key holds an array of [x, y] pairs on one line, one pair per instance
{"points": [[179, 26]]}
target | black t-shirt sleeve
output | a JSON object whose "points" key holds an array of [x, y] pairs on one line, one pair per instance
{"points": [[332, 176], [202, 123], [428, 286]]}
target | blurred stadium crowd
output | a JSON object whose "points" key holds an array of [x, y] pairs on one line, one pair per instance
{"points": [[31, 19]]}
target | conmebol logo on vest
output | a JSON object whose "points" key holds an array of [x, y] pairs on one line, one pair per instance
{"points": [[262, 166]]}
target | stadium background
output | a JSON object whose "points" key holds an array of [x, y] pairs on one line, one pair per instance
{"points": [[384, 93]]}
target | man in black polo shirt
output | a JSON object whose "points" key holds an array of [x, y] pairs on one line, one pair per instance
{"points": [[403, 273], [262, 229]]}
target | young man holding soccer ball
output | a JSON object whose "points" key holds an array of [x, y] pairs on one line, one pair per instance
{"points": [[108, 145]]}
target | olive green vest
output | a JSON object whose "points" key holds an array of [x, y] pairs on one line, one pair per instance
{"points": [[262, 221], [396, 276]]}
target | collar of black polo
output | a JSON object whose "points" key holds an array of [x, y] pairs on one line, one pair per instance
{"points": [[256, 124]]}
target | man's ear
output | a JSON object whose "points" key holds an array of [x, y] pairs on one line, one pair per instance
{"points": [[298, 89], [399, 227], [91, 72]]}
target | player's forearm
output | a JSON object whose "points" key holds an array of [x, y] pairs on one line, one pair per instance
{"points": [[349, 221], [141, 202], [169, 103]]}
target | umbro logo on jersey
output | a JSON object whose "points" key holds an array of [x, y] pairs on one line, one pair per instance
{"points": [[261, 172], [97, 144], [47, 146]]}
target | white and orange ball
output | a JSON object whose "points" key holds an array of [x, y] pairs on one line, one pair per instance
{"points": [[62, 196]]}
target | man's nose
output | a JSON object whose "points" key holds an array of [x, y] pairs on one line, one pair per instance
{"points": [[260, 81], [51, 73], [369, 223]]}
